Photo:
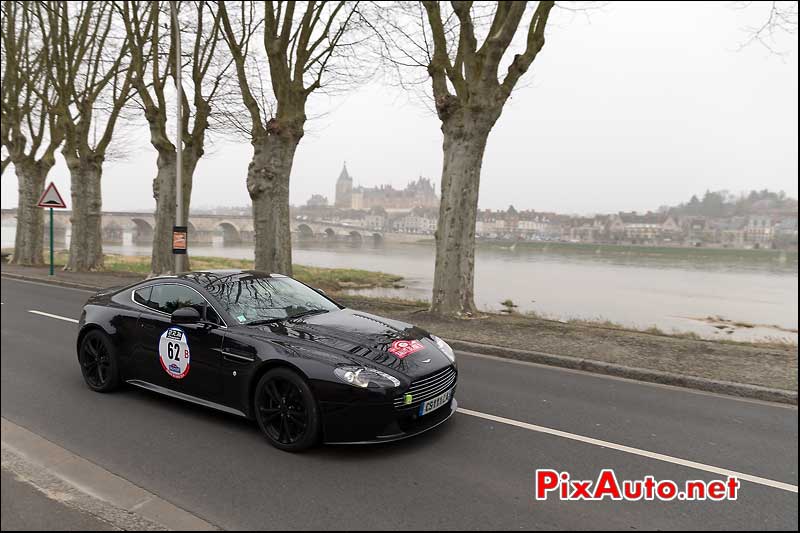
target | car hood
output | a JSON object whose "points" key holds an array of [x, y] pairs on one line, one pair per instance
{"points": [[358, 336]]}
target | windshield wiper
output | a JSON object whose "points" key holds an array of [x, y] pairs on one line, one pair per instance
{"points": [[264, 321], [307, 313]]}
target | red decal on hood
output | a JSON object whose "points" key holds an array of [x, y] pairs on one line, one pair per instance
{"points": [[405, 348]]}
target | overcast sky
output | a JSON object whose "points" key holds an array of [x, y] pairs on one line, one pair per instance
{"points": [[642, 105]]}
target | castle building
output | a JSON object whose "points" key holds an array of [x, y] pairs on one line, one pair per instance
{"points": [[317, 200], [344, 189], [419, 193]]}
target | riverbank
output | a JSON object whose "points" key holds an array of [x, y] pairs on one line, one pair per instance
{"points": [[767, 371], [714, 252]]}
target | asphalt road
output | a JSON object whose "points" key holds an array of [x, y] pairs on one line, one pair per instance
{"points": [[472, 473]]}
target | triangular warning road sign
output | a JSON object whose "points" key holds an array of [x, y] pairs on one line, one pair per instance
{"points": [[51, 198]]}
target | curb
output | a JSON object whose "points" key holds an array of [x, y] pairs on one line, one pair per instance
{"points": [[60, 282], [756, 392], [76, 482]]}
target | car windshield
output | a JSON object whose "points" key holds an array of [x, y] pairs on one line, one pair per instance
{"points": [[257, 299]]}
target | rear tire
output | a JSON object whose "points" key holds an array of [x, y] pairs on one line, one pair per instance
{"points": [[286, 410], [99, 362]]}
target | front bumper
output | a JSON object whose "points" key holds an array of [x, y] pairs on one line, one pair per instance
{"points": [[370, 424]]}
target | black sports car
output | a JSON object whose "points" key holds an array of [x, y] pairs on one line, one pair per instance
{"points": [[269, 347]]}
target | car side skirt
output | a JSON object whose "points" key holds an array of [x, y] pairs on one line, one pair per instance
{"points": [[185, 397]]}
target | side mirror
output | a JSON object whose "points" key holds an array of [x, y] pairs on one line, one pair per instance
{"points": [[186, 315]]}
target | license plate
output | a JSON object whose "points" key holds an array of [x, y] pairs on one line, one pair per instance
{"points": [[435, 403]]}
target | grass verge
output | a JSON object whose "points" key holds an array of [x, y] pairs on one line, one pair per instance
{"points": [[328, 279]]}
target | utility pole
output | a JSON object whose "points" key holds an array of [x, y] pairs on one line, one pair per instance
{"points": [[180, 229]]}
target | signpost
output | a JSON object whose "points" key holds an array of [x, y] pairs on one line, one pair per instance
{"points": [[179, 232], [51, 199]]}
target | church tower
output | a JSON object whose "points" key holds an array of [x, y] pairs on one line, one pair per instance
{"points": [[344, 189]]}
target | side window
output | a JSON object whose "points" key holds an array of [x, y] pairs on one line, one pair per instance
{"points": [[212, 315], [142, 296], [168, 298]]}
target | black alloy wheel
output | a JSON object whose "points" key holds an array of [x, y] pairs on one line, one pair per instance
{"points": [[286, 410], [98, 361]]}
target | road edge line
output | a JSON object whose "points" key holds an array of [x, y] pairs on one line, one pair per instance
{"points": [[88, 487]]}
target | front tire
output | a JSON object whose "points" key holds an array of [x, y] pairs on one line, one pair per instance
{"points": [[99, 362], [286, 410]]}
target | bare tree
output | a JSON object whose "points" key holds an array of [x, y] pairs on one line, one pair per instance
{"points": [[304, 44], [153, 59], [85, 56], [463, 48], [779, 19], [30, 133]]}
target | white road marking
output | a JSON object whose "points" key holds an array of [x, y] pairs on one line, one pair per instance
{"points": [[635, 451], [48, 315]]}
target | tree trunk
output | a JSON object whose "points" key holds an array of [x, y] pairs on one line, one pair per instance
{"points": [[453, 281], [86, 241], [163, 260], [30, 219], [268, 184]]}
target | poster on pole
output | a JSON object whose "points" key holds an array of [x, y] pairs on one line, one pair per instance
{"points": [[179, 238]]}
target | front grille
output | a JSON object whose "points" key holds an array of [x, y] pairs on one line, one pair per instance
{"points": [[428, 387]]}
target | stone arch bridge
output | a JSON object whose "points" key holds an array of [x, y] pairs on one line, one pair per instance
{"points": [[137, 228]]}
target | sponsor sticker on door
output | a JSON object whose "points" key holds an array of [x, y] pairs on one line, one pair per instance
{"points": [[173, 352]]}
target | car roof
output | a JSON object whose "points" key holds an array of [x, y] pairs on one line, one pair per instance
{"points": [[207, 278]]}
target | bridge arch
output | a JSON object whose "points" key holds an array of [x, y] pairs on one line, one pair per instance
{"points": [[143, 230], [355, 238], [377, 239], [305, 232], [330, 234], [112, 232], [229, 232]]}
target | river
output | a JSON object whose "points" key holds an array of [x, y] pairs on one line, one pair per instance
{"points": [[672, 289]]}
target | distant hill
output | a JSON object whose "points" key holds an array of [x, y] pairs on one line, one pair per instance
{"points": [[725, 204]]}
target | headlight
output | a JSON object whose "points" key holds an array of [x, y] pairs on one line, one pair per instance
{"points": [[359, 376], [445, 348]]}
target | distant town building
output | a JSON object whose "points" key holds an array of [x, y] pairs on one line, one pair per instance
{"points": [[588, 229], [647, 228], [419, 193], [419, 220], [376, 219], [760, 229]]}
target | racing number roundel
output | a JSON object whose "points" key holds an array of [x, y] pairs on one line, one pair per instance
{"points": [[173, 351]]}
